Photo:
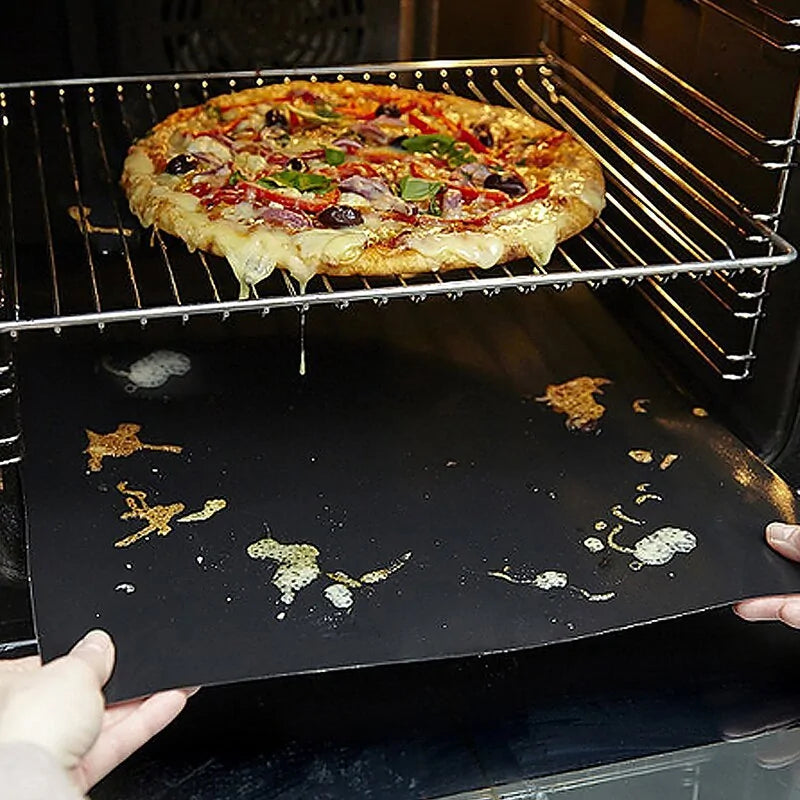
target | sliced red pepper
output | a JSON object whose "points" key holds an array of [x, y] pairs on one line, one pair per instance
{"points": [[317, 152], [416, 170], [473, 141], [356, 168], [312, 205], [358, 112], [539, 193], [421, 124], [380, 156]]}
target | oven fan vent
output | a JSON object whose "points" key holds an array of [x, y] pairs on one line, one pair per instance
{"points": [[207, 36]]}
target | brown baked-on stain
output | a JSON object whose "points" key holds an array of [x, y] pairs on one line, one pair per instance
{"points": [[668, 460], [575, 398], [156, 517], [122, 442], [642, 456]]}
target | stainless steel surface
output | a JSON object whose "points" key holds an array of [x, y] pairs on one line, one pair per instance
{"points": [[761, 768], [658, 223]]}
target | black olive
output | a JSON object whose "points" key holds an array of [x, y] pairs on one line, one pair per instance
{"points": [[275, 118], [296, 164], [340, 217], [398, 141], [510, 184], [484, 135], [181, 164], [387, 110]]}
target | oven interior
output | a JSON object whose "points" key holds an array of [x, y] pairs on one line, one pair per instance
{"points": [[692, 107]]}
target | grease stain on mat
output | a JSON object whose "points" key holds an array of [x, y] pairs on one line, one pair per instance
{"points": [[152, 371], [120, 443], [549, 580], [158, 518], [210, 507], [668, 460], [657, 548], [298, 567], [593, 544], [575, 398]]}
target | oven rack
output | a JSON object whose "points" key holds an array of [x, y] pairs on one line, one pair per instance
{"points": [[74, 133]]}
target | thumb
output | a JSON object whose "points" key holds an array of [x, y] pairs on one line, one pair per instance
{"points": [[96, 650], [784, 539]]}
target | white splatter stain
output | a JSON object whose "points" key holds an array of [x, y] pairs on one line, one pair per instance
{"points": [[661, 545], [128, 588], [549, 580], [338, 595], [593, 544], [154, 370]]}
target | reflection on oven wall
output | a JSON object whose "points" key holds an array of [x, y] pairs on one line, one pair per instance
{"points": [[741, 63]]}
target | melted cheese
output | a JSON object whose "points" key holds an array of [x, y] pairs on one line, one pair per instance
{"points": [[339, 246], [539, 241], [481, 249]]}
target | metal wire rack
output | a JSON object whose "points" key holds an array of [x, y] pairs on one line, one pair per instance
{"points": [[73, 255], [718, 316]]}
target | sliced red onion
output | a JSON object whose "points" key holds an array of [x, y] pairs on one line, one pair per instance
{"points": [[476, 172], [395, 122], [377, 192], [284, 216], [371, 188], [371, 132], [452, 201], [350, 145]]}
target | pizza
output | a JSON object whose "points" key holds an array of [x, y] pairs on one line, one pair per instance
{"points": [[358, 179]]}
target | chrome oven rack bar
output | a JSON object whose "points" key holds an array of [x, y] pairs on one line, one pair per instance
{"points": [[723, 331], [98, 268]]}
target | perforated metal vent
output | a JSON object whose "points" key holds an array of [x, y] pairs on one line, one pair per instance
{"points": [[204, 35]]}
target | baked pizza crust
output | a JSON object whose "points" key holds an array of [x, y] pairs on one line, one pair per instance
{"points": [[575, 199]]}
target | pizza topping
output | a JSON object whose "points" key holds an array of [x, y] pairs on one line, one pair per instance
{"points": [[418, 189], [334, 156], [181, 164], [209, 145], [371, 132], [483, 134], [292, 179], [452, 201], [340, 217], [508, 184], [438, 144], [296, 164], [387, 110], [377, 192], [282, 215], [350, 146], [275, 118]]}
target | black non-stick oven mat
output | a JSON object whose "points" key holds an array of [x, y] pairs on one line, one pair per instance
{"points": [[447, 510]]}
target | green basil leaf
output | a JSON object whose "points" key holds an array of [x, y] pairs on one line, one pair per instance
{"points": [[417, 188], [334, 156], [324, 110], [438, 143], [302, 181], [234, 178]]}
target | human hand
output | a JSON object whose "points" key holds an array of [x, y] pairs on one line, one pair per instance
{"points": [[783, 539], [60, 708]]}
